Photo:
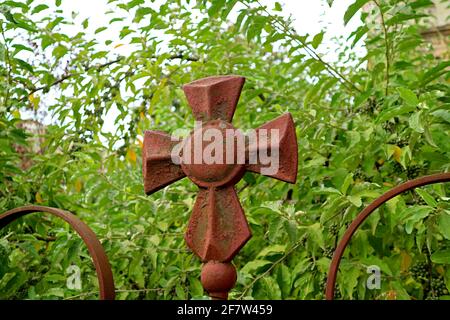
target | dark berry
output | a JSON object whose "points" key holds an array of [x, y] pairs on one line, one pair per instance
{"points": [[328, 252]]}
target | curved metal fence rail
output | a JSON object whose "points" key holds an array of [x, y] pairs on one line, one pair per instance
{"points": [[101, 263], [409, 185]]}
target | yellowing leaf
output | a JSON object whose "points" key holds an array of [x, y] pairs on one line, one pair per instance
{"points": [[141, 144], [131, 156], [34, 100], [391, 295], [440, 270], [16, 114], [78, 185], [141, 115], [406, 261], [397, 153], [380, 162], [118, 45], [37, 246], [39, 198]]}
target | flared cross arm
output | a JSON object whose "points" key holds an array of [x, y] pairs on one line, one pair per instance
{"points": [[285, 145], [158, 168], [218, 228], [214, 97]]}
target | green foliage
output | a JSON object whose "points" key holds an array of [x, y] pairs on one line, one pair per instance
{"points": [[363, 126]]}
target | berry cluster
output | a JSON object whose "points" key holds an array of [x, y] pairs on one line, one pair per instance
{"points": [[413, 171], [397, 168], [389, 126], [420, 271], [359, 174], [333, 229], [322, 284], [328, 252], [438, 287], [337, 294], [433, 290]]}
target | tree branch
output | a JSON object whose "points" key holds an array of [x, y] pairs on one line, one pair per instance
{"points": [[99, 68], [8, 67], [67, 76]]}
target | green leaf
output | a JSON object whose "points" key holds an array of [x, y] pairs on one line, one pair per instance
{"points": [[355, 200], [254, 30], [216, 6], [195, 287], [20, 47], [429, 137], [134, 3], [278, 7], [434, 73], [401, 17], [415, 122], [347, 182], [358, 34], [142, 12], [443, 114], [394, 111], [444, 224], [315, 233], [408, 96], [179, 290], [328, 190], [317, 40], [350, 277], [46, 41], [98, 30], [25, 65], [256, 266], [273, 290], [228, 7], [284, 280], [39, 8], [58, 2], [9, 17], [85, 23], [273, 250], [415, 215], [59, 51], [428, 198], [442, 256], [15, 4], [352, 9]]}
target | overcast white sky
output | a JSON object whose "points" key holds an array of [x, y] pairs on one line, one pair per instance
{"points": [[310, 16]]}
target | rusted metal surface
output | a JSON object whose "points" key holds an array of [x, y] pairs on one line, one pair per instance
{"points": [[217, 229], [218, 278], [409, 185], [101, 263]]}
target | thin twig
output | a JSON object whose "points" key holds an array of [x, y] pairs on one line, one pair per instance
{"points": [[330, 69], [70, 75], [8, 67], [387, 47], [292, 249], [99, 67]]}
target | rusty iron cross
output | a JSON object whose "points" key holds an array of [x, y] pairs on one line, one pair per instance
{"points": [[217, 228]]}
